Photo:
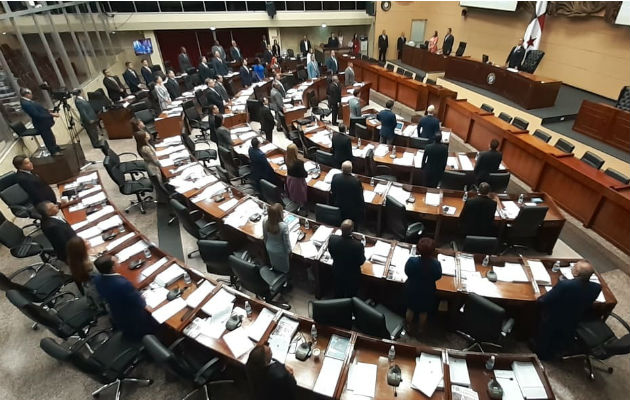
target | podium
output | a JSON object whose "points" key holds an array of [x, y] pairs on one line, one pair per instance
{"points": [[59, 168]]}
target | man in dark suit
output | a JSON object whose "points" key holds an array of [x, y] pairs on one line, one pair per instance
{"points": [[341, 146], [447, 45], [477, 216], [213, 96], [563, 307], [267, 121], [172, 85], [126, 305], [264, 44], [184, 60], [383, 44], [235, 52], [267, 56], [400, 44], [217, 47], [333, 41], [33, 185], [305, 46], [89, 120], [334, 98], [434, 161], [276, 99], [114, 91], [204, 69], [488, 162], [348, 255], [429, 125], [218, 65], [146, 72], [275, 49], [388, 123], [259, 165], [346, 192], [221, 89], [246, 76], [42, 119], [515, 58], [56, 229], [332, 64], [224, 138], [131, 78]]}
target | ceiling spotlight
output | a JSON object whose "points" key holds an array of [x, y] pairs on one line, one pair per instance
{"points": [[323, 25], [212, 28]]}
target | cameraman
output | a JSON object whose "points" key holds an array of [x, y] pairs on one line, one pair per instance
{"points": [[89, 119], [43, 120]]}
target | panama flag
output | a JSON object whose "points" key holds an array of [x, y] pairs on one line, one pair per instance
{"points": [[535, 27]]}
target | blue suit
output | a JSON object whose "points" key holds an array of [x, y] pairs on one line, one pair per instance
{"points": [[126, 306], [430, 126], [388, 124], [332, 65], [42, 122], [246, 77], [260, 167], [312, 69]]}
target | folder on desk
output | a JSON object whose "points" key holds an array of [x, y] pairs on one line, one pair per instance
{"points": [[427, 374], [528, 380], [170, 275]]}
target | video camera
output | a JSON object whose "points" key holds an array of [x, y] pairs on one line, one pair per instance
{"points": [[60, 94]]}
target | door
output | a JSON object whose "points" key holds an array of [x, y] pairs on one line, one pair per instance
{"points": [[417, 30]]}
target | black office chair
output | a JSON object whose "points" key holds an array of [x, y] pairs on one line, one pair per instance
{"points": [[598, 342], [361, 131], [396, 222], [302, 75], [377, 321], [36, 284], [148, 118], [334, 312], [194, 224], [617, 175], [315, 108], [196, 122], [487, 107], [545, 137], [253, 109], [17, 199], [460, 49], [216, 255], [564, 145], [531, 61], [139, 106], [390, 67], [233, 165], [520, 123], [419, 142], [419, 77], [264, 282], [107, 360], [480, 245], [506, 117], [137, 187], [524, 227], [272, 194], [430, 81], [382, 172], [203, 155], [353, 122], [19, 129], [133, 167], [65, 319], [455, 180], [329, 215], [498, 181], [483, 323], [592, 159], [325, 158], [99, 100], [185, 364], [23, 246]]}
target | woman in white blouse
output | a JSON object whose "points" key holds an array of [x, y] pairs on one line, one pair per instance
{"points": [[161, 92]]}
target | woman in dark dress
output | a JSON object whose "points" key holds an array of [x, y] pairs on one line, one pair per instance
{"points": [[269, 379], [295, 183], [422, 272]]}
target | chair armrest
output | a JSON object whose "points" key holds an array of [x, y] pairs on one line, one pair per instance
{"points": [[214, 363], [506, 329], [176, 343], [52, 302], [621, 321], [89, 338], [22, 270], [126, 153], [195, 215]]}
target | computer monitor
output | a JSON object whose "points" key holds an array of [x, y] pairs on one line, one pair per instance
{"points": [[399, 126], [143, 46]]}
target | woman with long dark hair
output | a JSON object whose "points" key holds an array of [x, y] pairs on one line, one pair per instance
{"points": [[267, 378], [145, 149], [295, 183], [81, 269], [276, 237]]}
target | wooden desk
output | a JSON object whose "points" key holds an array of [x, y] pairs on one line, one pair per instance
{"points": [[606, 123], [527, 90], [423, 59], [117, 123], [169, 126]]}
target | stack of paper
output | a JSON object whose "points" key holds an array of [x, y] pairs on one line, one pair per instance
{"points": [[511, 272], [238, 342], [328, 376], [368, 196], [381, 188], [196, 297], [94, 199], [209, 192], [459, 371], [267, 148], [218, 302], [417, 160], [321, 234], [94, 189], [432, 199], [452, 163], [110, 223], [510, 209], [509, 384], [528, 380], [169, 276], [427, 374], [539, 272], [398, 193], [168, 310], [308, 249], [464, 393], [465, 162], [396, 270], [323, 186], [118, 241], [280, 338], [331, 174], [466, 262], [380, 252], [100, 213], [448, 264], [381, 151], [362, 379], [132, 250], [407, 159], [148, 271], [154, 296], [257, 329], [410, 130]]}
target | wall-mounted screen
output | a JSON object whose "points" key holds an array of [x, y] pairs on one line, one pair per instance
{"points": [[143, 46]]}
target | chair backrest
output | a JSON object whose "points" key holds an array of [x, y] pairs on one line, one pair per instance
{"points": [[145, 116], [165, 357], [39, 314], [498, 181], [564, 145], [482, 319], [460, 49], [480, 245], [384, 172], [361, 131], [113, 171], [545, 137], [227, 161], [455, 180], [395, 218], [18, 127], [335, 312], [369, 321], [419, 142], [183, 215], [531, 61], [253, 109], [430, 81], [329, 215], [326, 158], [192, 115], [249, 276], [10, 234], [506, 117], [390, 66], [14, 195], [139, 106], [617, 175], [592, 159], [527, 222], [270, 193], [302, 75], [290, 53], [222, 174], [98, 100], [520, 123], [487, 107], [216, 255]]}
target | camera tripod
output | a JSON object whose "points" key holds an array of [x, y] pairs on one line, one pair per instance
{"points": [[67, 115]]}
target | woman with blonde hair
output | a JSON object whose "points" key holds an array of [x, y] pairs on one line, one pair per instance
{"points": [[296, 187], [276, 237]]}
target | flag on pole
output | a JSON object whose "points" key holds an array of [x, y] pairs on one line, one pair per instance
{"points": [[533, 33]]}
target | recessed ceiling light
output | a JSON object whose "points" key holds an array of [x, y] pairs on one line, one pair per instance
{"points": [[212, 28], [323, 25]]}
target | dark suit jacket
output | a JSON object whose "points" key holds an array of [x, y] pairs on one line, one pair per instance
{"points": [[334, 94], [477, 216], [400, 43], [430, 127], [383, 43], [114, 91], [184, 62], [277, 383], [173, 88], [333, 42], [388, 123], [433, 163], [246, 76], [260, 167], [224, 138], [267, 121], [447, 46], [222, 91], [515, 58], [275, 50], [219, 66], [132, 80], [348, 255], [332, 65], [346, 193], [488, 162], [147, 74], [204, 72], [126, 305], [215, 98], [341, 148], [267, 56], [236, 54], [86, 112], [35, 187], [303, 48], [39, 115], [58, 233]]}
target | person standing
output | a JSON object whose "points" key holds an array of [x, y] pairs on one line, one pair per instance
{"points": [[434, 161], [218, 65], [477, 216], [341, 146], [146, 151], [296, 173], [355, 104], [334, 98], [267, 121], [422, 272], [348, 74], [276, 98], [114, 91], [33, 185], [172, 85], [259, 165], [429, 125], [356, 45], [218, 48], [333, 41], [235, 52], [332, 64], [246, 76], [488, 162], [89, 120], [161, 92], [221, 89], [400, 44], [276, 238], [269, 379], [305, 46], [224, 138], [213, 96], [82, 271], [204, 69], [146, 72], [388, 123], [433, 43], [131, 78], [264, 44], [184, 60], [275, 49], [312, 68], [383, 44], [346, 192], [515, 58], [348, 255], [56, 229], [447, 45]]}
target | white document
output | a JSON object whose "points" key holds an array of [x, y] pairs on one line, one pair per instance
{"points": [[427, 374], [118, 241], [209, 192], [89, 233], [238, 342], [79, 225], [330, 175], [380, 188], [368, 196], [459, 371], [528, 380], [452, 163], [328, 376], [406, 159], [510, 209], [196, 297], [154, 296], [511, 272], [89, 191], [168, 310], [467, 262], [448, 264], [362, 379], [100, 213], [228, 204], [382, 249], [398, 193], [509, 384], [169, 275], [132, 250], [308, 249], [464, 393], [87, 178], [96, 241], [465, 162], [321, 234], [381, 150], [148, 271], [216, 324], [539, 272], [432, 199], [256, 330], [110, 223], [218, 302]]}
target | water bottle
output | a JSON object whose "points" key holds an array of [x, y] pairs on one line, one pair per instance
{"points": [[248, 309], [147, 253], [465, 197], [187, 279], [392, 354], [521, 198], [372, 181], [358, 142], [393, 153], [486, 260], [490, 363], [229, 190], [313, 333], [264, 208], [306, 224], [413, 250], [556, 267]]}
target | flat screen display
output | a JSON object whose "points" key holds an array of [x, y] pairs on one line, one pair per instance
{"points": [[492, 5], [143, 46]]}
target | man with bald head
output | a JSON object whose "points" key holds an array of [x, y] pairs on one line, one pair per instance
{"points": [[429, 125], [563, 307], [346, 192], [348, 255]]}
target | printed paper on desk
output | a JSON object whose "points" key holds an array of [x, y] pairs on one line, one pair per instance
{"points": [[459, 371], [89, 233], [96, 241], [509, 384], [368, 196], [135, 248], [216, 323], [257, 329], [432, 199], [100, 213], [328, 376], [247, 135], [467, 262], [321, 234], [417, 160], [407, 159], [267, 147], [79, 225], [528, 380], [89, 191], [169, 275], [380, 188], [169, 309], [452, 163], [331, 174], [196, 297], [148, 271], [464, 160], [398, 193], [238, 342], [381, 151], [362, 379], [110, 223], [323, 186], [427, 374], [410, 130], [94, 199], [218, 302], [308, 250], [228, 204], [154, 296], [87, 178], [448, 264], [539, 272]]}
